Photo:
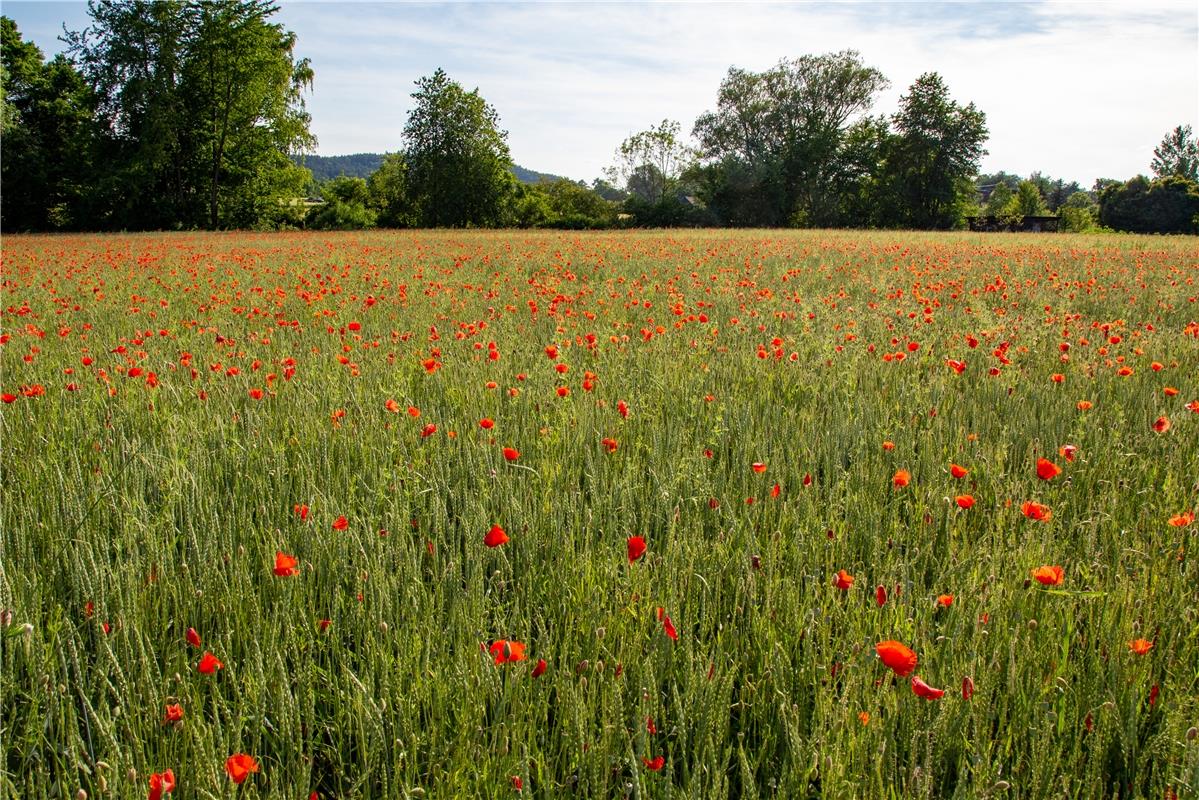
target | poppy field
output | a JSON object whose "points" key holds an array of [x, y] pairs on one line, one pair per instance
{"points": [[700, 514]]}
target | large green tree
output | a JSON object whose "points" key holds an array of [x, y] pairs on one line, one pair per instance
{"points": [[458, 164], [772, 143], [1178, 154], [1166, 205], [934, 156], [48, 137], [202, 103]]}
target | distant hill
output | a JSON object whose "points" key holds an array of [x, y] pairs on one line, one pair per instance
{"points": [[361, 165]]}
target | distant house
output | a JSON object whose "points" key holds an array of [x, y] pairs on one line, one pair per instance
{"points": [[1025, 224]]}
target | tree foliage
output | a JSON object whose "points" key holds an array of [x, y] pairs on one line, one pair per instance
{"points": [[1178, 154], [198, 104], [458, 164], [1166, 205], [934, 155]]}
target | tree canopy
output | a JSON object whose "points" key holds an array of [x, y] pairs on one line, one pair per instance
{"points": [[458, 164]]}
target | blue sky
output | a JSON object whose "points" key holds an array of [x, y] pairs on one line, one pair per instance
{"points": [[1075, 89]]}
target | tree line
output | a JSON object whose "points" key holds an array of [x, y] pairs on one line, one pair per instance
{"points": [[190, 114]]}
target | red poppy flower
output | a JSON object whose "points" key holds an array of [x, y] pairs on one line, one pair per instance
{"points": [[654, 764], [256, 394], [957, 366], [776, 490], [922, 689], [495, 537], [888, 445], [239, 766], [511, 453], [209, 664], [1161, 424], [958, 471], [8, 398], [486, 423], [623, 408], [1047, 470], [880, 595], [392, 406], [341, 523], [899, 658], [517, 783], [901, 478], [1048, 576], [668, 626], [1068, 452], [1140, 646], [609, 444], [539, 670], [161, 783], [300, 510], [964, 501], [944, 600], [1183, 519], [192, 637], [967, 687], [285, 565], [504, 650], [636, 547], [172, 714], [843, 580], [758, 466], [1041, 513], [428, 431]]}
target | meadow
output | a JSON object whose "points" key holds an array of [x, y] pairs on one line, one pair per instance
{"points": [[699, 514]]}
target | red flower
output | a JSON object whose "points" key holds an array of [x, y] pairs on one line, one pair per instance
{"points": [[392, 406], [880, 595], [1140, 646], [1068, 451], [193, 638], [964, 501], [486, 423], [256, 393], [8, 398], [209, 664], [505, 650], [1048, 576], [776, 490], [285, 565], [341, 523], [654, 764], [843, 580], [967, 687], [539, 670], [957, 366], [668, 626], [898, 657], [609, 444], [945, 600], [623, 408], [922, 689], [901, 478], [161, 783], [758, 466], [300, 511], [1183, 519], [1047, 470], [511, 454], [1161, 424], [173, 713], [239, 766], [517, 783], [637, 547], [1040, 513], [495, 537]]}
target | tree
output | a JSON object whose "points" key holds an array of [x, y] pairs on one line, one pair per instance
{"points": [[46, 125], [649, 163], [1079, 213], [345, 207], [459, 167], [1178, 154], [1000, 201], [935, 155], [1028, 201], [1166, 205], [388, 188], [772, 142], [201, 104]]}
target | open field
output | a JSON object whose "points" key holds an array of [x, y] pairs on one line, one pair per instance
{"points": [[184, 414]]}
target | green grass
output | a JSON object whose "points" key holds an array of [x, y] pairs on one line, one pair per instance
{"points": [[165, 511]]}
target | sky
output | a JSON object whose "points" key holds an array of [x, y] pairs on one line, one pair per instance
{"points": [[1077, 90]]}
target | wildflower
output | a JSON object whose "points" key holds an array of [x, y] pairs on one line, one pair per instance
{"points": [[901, 478], [341, 523], [898, 657], [922, 689], [1040, 513], [958, 471], [285, 565], [1048, 576], [1140, 646], [161, 783], [239, 766], [504, 650], [1047, 470], [209, 664], [495, 537], [964, 501], [636, 548], [843, 580]]}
